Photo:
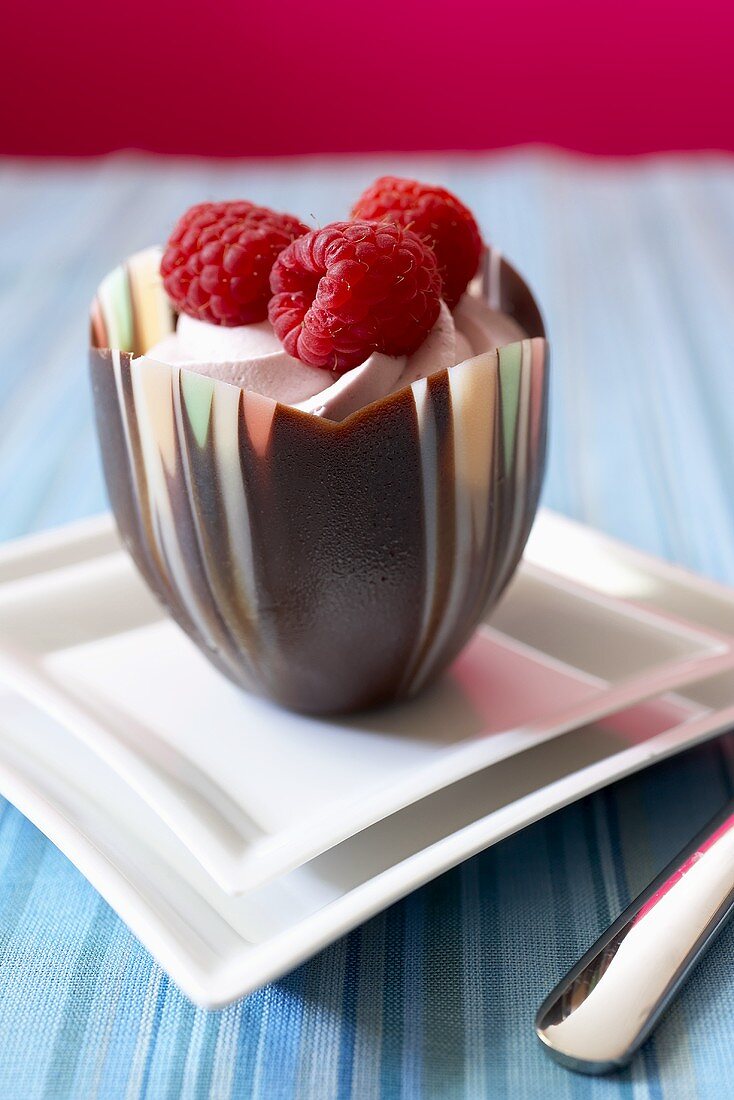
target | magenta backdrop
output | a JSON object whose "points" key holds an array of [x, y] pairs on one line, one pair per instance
{"points": [[230, 77]]}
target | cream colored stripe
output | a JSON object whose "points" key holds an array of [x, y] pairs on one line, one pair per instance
{"points": [[471, 389], [147, 522], [116, 309], [203, 596], [226, 423], [215, 599], [153, 314], [429, 473], [474, 397], [520, 463], [122, 406], [149, 452], [153, 385]]}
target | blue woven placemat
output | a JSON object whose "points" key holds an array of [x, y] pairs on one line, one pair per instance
{"points": [[434, 998]]}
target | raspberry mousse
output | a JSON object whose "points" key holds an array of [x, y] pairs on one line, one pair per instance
{"points": [[355, 311]]}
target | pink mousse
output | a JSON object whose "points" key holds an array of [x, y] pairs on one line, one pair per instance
{"points": [[252, 357]]}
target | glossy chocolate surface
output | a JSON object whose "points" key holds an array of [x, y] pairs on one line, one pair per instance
{"points": [[330, 566]]}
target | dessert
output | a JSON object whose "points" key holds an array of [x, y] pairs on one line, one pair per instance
{"points": [[324, 447], [261, 355]]}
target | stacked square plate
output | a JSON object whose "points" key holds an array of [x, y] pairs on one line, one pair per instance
{"points": [[235, 838]]}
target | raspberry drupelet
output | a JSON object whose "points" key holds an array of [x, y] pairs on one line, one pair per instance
{"points": [[436, 216], [216, 265], [353, 288]]}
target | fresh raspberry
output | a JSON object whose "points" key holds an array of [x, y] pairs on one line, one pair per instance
{"points": [[352, 288], [435, 215], [217, 262]]}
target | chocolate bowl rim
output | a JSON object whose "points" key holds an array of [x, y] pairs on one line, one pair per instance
{"points": [[366, 411]]}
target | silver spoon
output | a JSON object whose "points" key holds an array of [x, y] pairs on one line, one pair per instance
{"points": [[608, 1004]]}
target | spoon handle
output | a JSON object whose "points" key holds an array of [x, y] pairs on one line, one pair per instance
{"points": [[607, 1005]]}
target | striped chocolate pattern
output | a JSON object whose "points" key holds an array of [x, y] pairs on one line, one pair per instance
{"points": [[330, 566]]}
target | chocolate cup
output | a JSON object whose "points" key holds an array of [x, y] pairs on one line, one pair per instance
{"points": [[329, 566]]}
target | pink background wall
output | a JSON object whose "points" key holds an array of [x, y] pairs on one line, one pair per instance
{"points": [[231, 77]]}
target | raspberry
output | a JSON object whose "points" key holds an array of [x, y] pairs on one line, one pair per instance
{"points": [[435, 215], [217, 262], [352, 288]]}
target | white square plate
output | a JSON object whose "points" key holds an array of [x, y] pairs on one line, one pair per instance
{"points": [[254, 791], [218, 947]]}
